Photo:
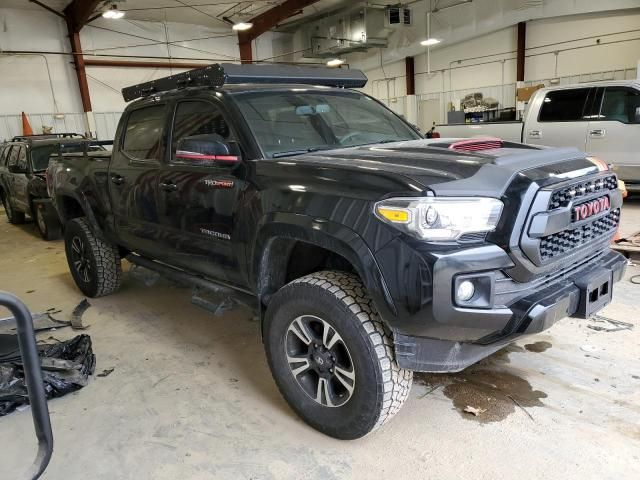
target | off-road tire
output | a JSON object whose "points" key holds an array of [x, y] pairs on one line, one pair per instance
{"points": [[50, 229], [380, 385], [14, 217], [102, 258]]}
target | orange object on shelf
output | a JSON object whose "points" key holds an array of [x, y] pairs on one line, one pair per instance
{"points": [[26, 126]]}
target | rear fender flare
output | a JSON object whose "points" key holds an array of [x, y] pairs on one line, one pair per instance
{"points": [[81, 199]]}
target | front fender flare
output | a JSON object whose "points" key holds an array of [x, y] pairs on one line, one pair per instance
{"points": [[326, 234]]}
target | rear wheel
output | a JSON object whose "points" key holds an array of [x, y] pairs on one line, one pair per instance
{"points": [[50, 229], [332, 357], [95, 264], [15, 217]]}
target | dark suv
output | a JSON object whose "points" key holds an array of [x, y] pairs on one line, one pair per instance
{"points": [[23, 188]]}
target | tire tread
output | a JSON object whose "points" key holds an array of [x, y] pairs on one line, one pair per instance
{"points": [[349, 289], [107, 257]]}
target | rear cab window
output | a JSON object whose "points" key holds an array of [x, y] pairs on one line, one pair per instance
{"points": [[564, 105]]}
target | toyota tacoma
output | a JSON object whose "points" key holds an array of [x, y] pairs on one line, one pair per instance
{"points": [[368, 251]]}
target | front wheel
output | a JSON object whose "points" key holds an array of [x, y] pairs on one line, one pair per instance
{"points": [[95, 264], [332, 357]]}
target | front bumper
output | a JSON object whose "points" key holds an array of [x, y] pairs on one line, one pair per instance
{"points": [[443, 337]]}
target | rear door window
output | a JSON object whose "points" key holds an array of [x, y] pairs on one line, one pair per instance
{"points": [[143, 133], [12, 158], [22, 159], [3, 155], [564, 105], [620, 104]]}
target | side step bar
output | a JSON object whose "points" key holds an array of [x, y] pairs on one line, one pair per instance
{"points": [[33, 380], [241, 296]]}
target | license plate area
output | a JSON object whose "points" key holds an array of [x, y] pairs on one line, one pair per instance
{"points": [[595, 293]]}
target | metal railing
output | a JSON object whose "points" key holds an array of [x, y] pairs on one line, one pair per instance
{"points": [[33, 381]]}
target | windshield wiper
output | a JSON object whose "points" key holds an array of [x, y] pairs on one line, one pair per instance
{"points": [[302, 151]]}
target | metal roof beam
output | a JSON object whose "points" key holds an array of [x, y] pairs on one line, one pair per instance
{"points": [[266, 21]]}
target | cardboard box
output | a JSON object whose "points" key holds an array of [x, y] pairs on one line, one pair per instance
{"points": [[524, 94]]}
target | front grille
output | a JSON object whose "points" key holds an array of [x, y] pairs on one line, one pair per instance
{"points": [[563, 196], [567, 240]]}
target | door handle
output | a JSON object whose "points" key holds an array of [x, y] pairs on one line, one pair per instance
{"points": [[117, 179], [597, 133], [535, 134], [168, 186]]}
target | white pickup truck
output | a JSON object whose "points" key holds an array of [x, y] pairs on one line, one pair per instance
{"points": [[600, 118]]}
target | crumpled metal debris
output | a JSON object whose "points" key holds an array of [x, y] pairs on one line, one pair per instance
{"points": [[41, 322], [46, 320], [76, 315], [66, 367], [606, 324]]}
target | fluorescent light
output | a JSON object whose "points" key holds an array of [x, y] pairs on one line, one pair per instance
{"points": [[335, 62], [430, 41], [113, 13], [242, 26]]}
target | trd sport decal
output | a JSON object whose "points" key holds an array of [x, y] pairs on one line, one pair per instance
{"points": [[219, 183]]}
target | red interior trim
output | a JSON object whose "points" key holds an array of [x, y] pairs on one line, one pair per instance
{"points": [[196, 156]]}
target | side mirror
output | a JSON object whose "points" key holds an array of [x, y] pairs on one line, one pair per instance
{"points": [[15, 169], [207, 149]]}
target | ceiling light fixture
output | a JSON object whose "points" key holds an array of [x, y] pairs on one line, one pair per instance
{"points": [[335, 62], [113, 13], [242, 26], [429, 42]]}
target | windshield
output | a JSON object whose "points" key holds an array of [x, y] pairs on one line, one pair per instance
{"points": [[40, 153], [295, 122]]}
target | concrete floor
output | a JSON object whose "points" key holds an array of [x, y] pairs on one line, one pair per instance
{"points": [[191, 396]]}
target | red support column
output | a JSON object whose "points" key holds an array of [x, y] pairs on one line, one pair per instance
{"points": [[78, 60], [410, 75], [522, 37]]}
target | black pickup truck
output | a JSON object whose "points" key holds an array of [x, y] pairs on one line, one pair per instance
{"points": [[23, 188], [369, 252]]}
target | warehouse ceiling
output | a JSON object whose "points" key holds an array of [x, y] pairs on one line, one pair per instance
{"points": [[200, 12]]}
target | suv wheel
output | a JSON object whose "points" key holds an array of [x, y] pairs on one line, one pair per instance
{"points": [[95, 264], [13, 216], [332, 357], [49, 229]]}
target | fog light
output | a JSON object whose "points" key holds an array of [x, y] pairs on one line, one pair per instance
{"points": [[465, 291]]}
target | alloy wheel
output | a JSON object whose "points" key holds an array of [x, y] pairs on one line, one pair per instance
{"points": [[40, 219], [80, 259], [320, 361]]}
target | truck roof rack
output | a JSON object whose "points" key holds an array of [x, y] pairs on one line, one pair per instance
{"points": [[46, 136], [219, 74]]}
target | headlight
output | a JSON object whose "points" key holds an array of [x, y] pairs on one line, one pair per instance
{"points": [[440, 218]]}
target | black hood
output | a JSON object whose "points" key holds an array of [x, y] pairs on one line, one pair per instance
{"points": [[449, 172]]}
